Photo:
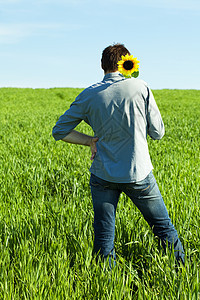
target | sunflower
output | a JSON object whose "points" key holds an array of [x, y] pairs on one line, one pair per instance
{"points": [[128, 65]]}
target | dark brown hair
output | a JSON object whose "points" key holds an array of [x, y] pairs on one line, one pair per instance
{"points": [[111, 55]]}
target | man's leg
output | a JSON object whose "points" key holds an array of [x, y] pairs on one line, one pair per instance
{"points": [[105, 196], [146, 196]]}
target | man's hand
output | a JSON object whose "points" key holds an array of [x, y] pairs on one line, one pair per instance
{"points": [[93, 147], [75, 137]]}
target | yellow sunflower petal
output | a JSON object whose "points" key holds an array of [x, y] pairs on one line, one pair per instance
{"points": [[127, 56]]}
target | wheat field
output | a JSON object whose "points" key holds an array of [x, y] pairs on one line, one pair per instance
{"points": [[46, 215]]}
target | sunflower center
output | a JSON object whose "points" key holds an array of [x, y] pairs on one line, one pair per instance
{"points": [[128, 65]]}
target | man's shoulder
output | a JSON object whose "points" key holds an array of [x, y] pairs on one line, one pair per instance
{"points": [[139, 82], [92, 89]]}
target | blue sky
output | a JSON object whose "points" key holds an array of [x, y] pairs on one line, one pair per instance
{"points": [[59, 43]]}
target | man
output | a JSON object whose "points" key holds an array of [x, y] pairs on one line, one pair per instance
{"points": [[121, 112]]}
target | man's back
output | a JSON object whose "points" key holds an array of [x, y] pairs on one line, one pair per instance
{"points": [[121, 112]]}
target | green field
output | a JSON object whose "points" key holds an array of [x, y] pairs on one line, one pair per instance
{"points": [[46, 215]]}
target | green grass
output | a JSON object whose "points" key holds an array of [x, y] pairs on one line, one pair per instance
{"points": [[46, 215]]}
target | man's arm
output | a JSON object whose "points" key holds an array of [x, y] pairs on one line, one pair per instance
{"points": [[75, 137], [156, 129]]}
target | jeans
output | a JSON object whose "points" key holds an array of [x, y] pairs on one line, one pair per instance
{"points": [[146, 196]]}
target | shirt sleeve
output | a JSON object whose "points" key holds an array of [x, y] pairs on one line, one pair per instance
{"points": [[69, 120], [155, 125]]}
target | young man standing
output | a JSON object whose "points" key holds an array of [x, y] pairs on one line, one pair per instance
{"points": [[121, 112]]}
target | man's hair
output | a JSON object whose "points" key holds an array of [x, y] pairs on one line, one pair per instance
{"points": [[111, 55]]}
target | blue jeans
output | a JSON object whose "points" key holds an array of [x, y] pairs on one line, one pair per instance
{"points": [[146, 196]]}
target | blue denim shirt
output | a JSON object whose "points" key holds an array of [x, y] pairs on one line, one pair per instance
{"points": [[121, 112]]}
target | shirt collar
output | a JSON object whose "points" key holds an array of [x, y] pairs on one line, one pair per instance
{"points": [[114, 75]]}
